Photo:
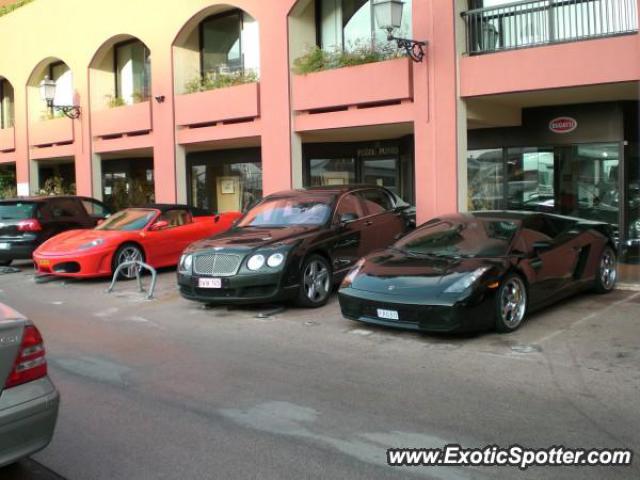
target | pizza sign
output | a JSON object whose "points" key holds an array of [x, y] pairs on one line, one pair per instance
{"points": [[563, 125]]}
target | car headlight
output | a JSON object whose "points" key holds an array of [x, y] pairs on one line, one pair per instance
{"points": [[256, 262], [348, 280], [465, 282], [275, 260], [186, 262], [93, 243]]}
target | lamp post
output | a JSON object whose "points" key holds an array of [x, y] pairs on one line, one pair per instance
{"points": [[48, 93], [388, 15]]}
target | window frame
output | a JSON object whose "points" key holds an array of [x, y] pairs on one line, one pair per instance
{"points": [[373, 31], [50, 70], [95, 203], [80, 211], [147, 77], [382, 192], [318, 13], [229, 13], [2, 110], [354, 194]]}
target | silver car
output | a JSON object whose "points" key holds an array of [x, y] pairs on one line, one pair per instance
{"points": [[28, 400]]}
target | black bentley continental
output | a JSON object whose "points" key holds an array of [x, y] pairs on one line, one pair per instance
{"points": [[293, 245], [483, 270]]}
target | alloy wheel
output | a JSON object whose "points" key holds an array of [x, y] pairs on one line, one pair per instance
{"points": [[316, 281], [130, 254], [513, 302], [608, 270]]}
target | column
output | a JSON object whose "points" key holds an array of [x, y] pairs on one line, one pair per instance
{"points": [[436, 163]]}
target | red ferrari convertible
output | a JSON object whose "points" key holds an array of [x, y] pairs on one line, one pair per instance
{"points": [[156, 235]]}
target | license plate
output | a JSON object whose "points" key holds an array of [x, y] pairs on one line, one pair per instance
{"points": [[5, 246], [388, 314], [210, 282], [44, 263]]}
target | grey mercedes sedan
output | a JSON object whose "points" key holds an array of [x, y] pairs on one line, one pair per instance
{"points": [[28, 400]]}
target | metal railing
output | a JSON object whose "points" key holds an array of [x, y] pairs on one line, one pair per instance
{"points": [[139, 266], [540, 22]]}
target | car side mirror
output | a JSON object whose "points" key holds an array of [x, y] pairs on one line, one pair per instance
{"points": [[159, 225], [348, 217], [216, 219], [541, 246]]}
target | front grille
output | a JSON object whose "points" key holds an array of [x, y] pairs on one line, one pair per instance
{"points": [[217, 264]]}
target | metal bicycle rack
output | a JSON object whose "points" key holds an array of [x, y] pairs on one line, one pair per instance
{"points": [[5, 270], [141, 266]]}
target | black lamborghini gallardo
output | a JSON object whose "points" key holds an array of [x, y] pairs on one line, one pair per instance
{"points": [[479, 270]]}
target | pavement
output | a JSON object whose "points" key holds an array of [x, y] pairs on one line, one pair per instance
{"points": [[167, 389]]}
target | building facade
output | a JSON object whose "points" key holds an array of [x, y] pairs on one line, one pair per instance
{"points": [[525, 105]]}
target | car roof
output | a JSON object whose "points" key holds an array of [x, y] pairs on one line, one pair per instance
{"points": [[523, 214], [325, 189], [44, 198]]}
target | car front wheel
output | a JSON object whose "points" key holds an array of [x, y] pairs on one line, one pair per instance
{"points": [[316, 282], [127, 253], [511, 303]]}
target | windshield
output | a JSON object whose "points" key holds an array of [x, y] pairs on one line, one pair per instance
{"points": [[128, 220], [281, 212], [472, 237], [16, 210]]}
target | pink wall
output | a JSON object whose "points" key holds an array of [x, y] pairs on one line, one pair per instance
{"points": [[435, 111], [589, 62], [425, 96], [275, 106], [381, 82]]}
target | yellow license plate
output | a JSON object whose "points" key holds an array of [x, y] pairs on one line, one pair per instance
{"points": [[45, 263]]}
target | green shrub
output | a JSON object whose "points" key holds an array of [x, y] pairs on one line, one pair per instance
{"points": [[57, 186], [316, 59], [49, 114], [10, 8], [115, 101], [213, 80], [130, 192], [8, 186]]}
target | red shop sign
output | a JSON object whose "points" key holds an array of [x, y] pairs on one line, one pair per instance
{"points": [[563, 125]]}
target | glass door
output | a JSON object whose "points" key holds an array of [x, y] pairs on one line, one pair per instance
{"points": [[588, 181], [223, 184], [531, 178], [630, 257]]}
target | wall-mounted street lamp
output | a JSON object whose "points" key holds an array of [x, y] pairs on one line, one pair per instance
{"points": [[389, 17], [48, 93]]}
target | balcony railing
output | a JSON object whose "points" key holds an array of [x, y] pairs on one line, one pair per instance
{"points": [[542, 22]]}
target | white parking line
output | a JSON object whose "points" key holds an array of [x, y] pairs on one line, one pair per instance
{"points": [[586, 318]]}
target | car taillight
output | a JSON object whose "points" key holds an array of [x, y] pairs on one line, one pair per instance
{"points": [[29, 225], [30, 363]]}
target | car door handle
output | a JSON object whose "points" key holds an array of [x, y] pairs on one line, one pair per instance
{"points": [[368, 223]]}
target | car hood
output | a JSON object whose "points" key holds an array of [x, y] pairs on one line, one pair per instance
{"points": [[71, 240], [249, 238], [417, 278]]}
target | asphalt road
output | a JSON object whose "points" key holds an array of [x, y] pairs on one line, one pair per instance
{"points": [[167, 389]]}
